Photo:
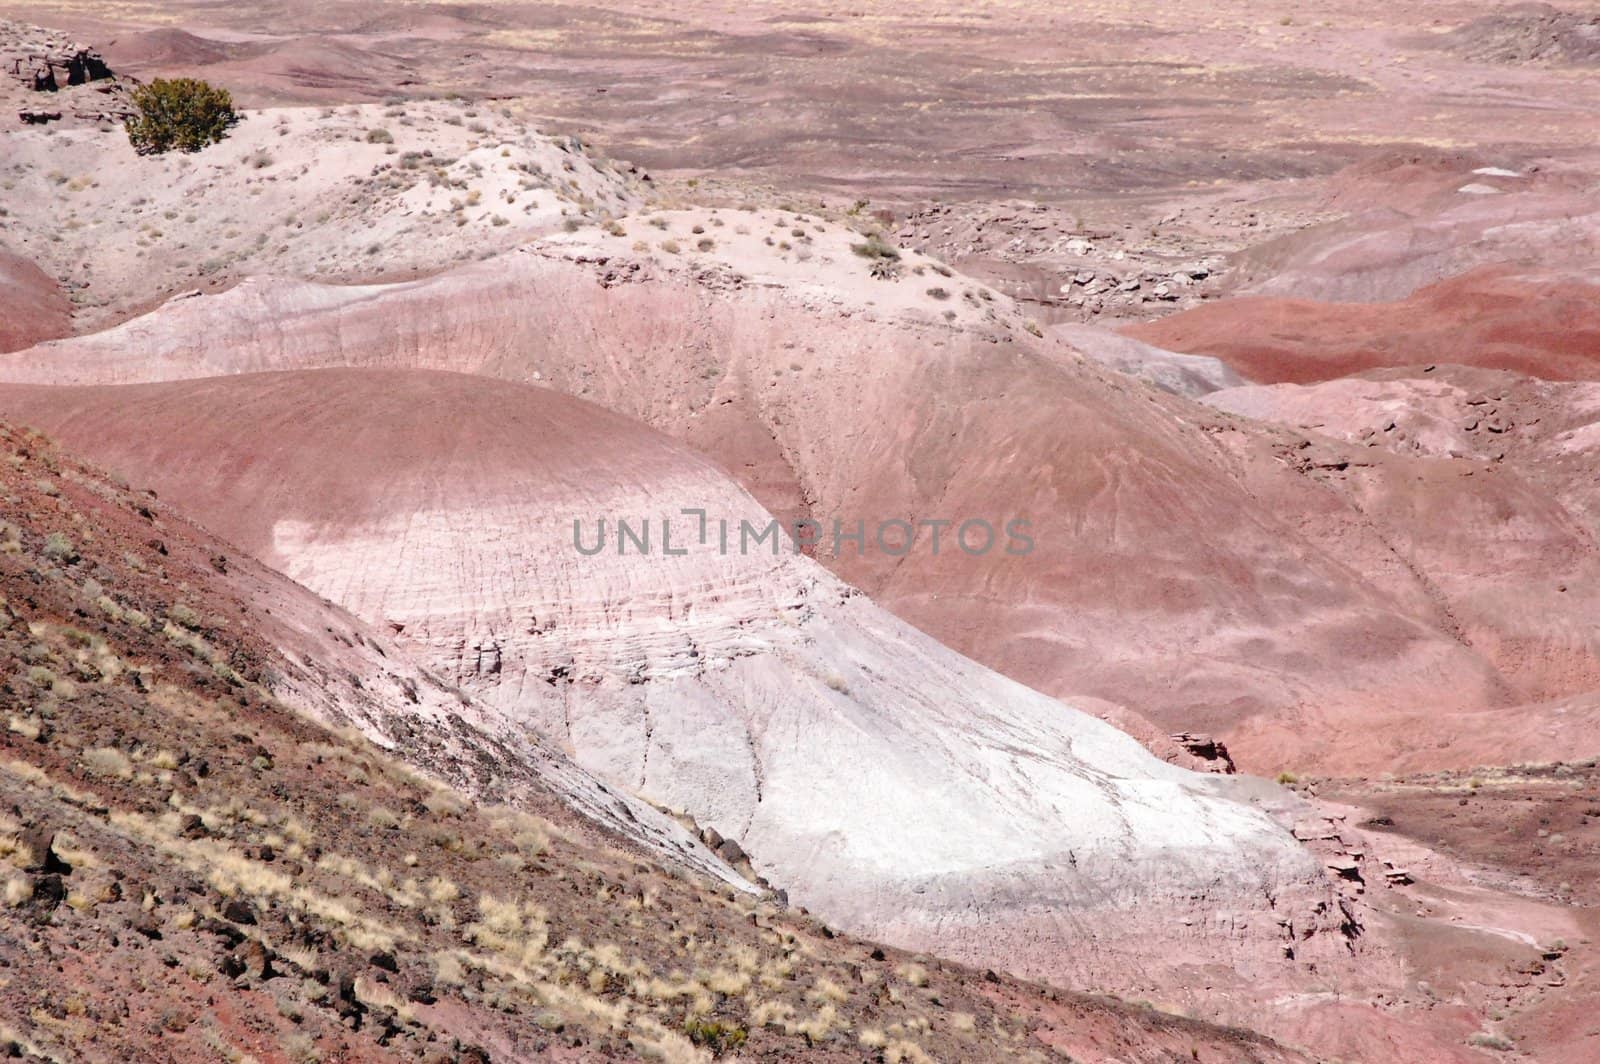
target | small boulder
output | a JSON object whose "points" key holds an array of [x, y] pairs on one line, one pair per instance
{"points": [[49, 891], [254, 960], [38, 843], [240, 912]]}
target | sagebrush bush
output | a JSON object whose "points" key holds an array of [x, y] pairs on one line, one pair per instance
{"points": [[58, 548], [717, 1037], [875, 247], [186, 114]]}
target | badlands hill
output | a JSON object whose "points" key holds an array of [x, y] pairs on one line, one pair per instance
{"points": [[1214, 573], [823, 747], [350, 193], [889, 785], [222, 836]]}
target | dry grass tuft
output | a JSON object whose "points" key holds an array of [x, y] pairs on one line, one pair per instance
{"points": [[108, 761]]}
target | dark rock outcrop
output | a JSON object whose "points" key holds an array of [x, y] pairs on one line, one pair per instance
{"points": [[79, 83]]}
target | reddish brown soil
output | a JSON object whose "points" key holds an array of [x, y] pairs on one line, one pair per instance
{"points": [[32, 305], [1496, 318]]}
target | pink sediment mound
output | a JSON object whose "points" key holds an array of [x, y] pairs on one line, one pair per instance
{"points": [[1528, 450], [313, 69], [299, 68]]}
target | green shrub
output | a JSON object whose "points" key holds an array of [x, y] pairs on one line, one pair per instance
{"points": [[183, 113]]}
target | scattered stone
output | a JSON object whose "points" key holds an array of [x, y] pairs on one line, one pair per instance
{"points": [[1315, 831]]}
